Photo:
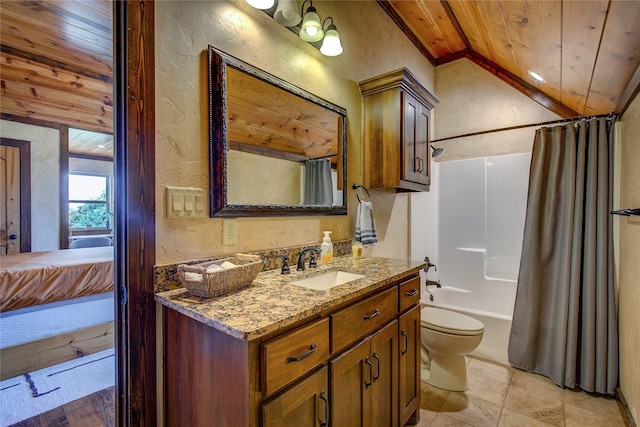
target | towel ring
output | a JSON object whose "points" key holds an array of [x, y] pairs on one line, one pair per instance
{"points": [[356, 187]]}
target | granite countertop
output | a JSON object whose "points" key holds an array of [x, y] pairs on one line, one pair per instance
{"points": [[271, 303]]}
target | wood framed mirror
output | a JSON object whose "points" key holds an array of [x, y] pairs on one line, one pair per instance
{"points": [[274, 148]]}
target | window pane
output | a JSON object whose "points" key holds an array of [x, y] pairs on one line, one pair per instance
{"points": [[87, 215], [87, 187]]}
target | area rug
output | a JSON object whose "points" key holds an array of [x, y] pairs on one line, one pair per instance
{"points": [[36, 392]]}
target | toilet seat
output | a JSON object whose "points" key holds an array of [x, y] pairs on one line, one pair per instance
{"points": [[450, 322]]}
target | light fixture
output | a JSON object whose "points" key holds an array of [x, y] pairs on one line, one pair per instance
{"points": [[311, 29], [436, 151], [287, 13], [536, 76], [331, 44], [261, 4]]}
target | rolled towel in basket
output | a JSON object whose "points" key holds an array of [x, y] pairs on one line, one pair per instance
{"points": [[227, 265], [214, 267]]}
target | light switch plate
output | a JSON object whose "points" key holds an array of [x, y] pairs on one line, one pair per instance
{"points": [[229, 231], [185, 202]]}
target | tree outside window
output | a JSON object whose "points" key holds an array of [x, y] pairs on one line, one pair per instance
{"points": [[89, 201]]}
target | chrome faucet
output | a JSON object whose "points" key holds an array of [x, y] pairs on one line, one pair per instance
{"points": [[312, 258]]}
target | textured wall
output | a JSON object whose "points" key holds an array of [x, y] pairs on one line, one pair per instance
{"points": [[474, 100], [629, 260], [183, 31], [45, 181]]}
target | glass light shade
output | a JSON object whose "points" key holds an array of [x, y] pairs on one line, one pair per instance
{"points": [[287, 13], [331, 44], [311, 30], [261, 4]]}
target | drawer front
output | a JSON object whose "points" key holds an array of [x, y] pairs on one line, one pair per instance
{"points": [[286, 358], [358, 320], [409, 293]]}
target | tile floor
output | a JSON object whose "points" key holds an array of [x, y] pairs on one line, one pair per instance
{"points": [[503, 396]]}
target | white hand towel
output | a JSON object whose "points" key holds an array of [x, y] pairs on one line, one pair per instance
{"points": [[213, 268], [227, 265], [366, 224]]}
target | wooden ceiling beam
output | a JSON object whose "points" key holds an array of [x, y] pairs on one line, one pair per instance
{"points": [[456, 24], [397, 19]]}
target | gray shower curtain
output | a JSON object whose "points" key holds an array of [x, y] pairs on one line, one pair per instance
{"points": [[318, 188], [564, 320]]}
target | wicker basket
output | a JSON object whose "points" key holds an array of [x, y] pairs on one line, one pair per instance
{"points": [[221, 282]]}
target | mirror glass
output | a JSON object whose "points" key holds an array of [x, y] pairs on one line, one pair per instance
{"points": [[274, 148]]}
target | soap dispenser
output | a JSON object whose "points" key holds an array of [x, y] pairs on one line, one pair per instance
{"points": [[326, 248]]}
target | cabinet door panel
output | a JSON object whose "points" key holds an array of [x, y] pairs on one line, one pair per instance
{"points": [[409, 387], [422, 148], [304, 405], [410, 117], [384, 391], [349, 393]]}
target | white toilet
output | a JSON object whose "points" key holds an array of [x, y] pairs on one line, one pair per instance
{"points": [[447, 336]]}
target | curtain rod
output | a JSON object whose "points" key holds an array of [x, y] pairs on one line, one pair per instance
{"points": [[610, 116]]}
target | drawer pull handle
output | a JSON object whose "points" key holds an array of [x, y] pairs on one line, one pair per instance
{"points": [[406, 342], [372, 315], [312, 349], [412, 293], [323, 397], [368, 384], [375, 356]]}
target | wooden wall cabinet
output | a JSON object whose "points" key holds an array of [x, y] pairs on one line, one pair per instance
{"points": [[354, 365], [397, 149]]}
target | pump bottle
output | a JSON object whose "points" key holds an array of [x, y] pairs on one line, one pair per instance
{"points": [[326, 248]]}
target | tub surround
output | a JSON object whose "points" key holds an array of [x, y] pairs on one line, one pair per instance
{"points": [[271, 302]]}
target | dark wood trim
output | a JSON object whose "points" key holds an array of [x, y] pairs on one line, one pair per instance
{"points": [[135, 255], [456, 24], [29, 121], [453, 57], [54, 64], [516, 82], [39, 122], [25, 190], [630, 92], [64, 187], [386, 6], [91, 157]]}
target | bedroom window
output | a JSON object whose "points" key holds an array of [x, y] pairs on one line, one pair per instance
{"points": [[89, 201]]}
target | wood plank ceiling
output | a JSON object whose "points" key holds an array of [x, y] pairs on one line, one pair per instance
{"points": [[587, 51], [57, 66]]}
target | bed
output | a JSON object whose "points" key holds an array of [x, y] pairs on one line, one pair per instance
{"points": [[54, 306], [36, 278]]}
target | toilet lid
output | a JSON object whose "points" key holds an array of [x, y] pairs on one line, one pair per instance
{"points": [[450, 322]]}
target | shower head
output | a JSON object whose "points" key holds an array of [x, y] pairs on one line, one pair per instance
{"points": [[436, 151]]}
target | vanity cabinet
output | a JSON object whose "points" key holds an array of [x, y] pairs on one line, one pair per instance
{"points": [[364, 382], [397, 145], [305, 404], [347, 365]]}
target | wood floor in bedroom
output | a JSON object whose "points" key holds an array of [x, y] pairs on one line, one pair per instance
{"points": [[95, 410]]}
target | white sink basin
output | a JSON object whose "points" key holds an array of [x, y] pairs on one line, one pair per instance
{"points": [[328, 280]]}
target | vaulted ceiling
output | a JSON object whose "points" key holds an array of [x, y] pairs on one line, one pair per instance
{"points": [[588, 52], [56, 62]]}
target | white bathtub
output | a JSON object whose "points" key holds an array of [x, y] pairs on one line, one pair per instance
{"points": [[493, 307]]}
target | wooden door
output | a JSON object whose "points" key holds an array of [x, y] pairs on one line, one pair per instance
{"points": [[351, 378], [384, 390], [9, 200], [304, 405], [409, 354]]}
